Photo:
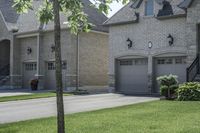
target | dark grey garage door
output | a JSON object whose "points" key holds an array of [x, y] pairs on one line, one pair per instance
{"points": [[132, 76], [171, 65]]}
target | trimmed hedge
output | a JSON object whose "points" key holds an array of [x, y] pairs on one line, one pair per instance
{"points": [[189, 92], [168, 85]]}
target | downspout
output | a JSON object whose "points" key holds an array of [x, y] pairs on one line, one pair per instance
{"points": [[77, 61]]}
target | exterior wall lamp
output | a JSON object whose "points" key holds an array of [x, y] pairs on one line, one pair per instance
{"points": [[170, 40], [150, 45], [29, 50], [130, 43]]}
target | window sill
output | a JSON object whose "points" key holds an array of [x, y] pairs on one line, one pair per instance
{"points": [[150, 16]]}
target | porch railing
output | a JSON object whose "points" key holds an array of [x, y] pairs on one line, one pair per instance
{"points": [[193, 70]]}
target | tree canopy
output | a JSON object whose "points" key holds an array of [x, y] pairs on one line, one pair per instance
{"points": [[72, 8]]}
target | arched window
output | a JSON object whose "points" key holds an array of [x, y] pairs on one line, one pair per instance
{"points": [[149, 8]]}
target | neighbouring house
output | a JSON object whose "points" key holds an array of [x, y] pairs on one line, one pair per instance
{"points": [[151, 38], [27, 50]]}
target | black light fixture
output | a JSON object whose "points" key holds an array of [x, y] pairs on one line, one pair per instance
{"points": [[170, 40], [53, 48], [29, 50], [130, 43]]}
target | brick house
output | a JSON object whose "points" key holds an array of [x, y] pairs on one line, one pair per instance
{"points": [[150, 38], [27, 50]]}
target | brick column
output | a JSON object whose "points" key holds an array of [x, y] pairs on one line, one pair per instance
{"points": [[15, 75], [150, 74], [39, 75]]}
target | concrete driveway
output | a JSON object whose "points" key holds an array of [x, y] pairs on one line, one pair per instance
{"points": [[17, 92], [40, 108]]}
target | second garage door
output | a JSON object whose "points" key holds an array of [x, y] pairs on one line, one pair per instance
{"points": [[50, 82], [132, 76], [171, 65]]}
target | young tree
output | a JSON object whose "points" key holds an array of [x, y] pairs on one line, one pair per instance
{"points": [[50, 11]]}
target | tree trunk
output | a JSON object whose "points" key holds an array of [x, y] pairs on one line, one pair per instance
{"points": [[169, 94], [58, 61]]}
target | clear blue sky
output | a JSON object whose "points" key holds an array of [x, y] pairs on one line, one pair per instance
{"points": [[115, 7]]}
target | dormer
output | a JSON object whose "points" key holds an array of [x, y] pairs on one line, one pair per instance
{"points": [[136, 10]]}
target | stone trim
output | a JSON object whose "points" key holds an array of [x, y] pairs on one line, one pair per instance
{"points": [[4, 20]]}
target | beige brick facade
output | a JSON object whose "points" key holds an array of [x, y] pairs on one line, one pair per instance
{"points": [[93, 62], [24, 32], [183, 28]]}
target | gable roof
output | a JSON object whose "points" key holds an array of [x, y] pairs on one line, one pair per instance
{"points": [[15, 20], [185, 4], [95, 17], [128, 13], [136, 4], [8, 12], [125, 15]]}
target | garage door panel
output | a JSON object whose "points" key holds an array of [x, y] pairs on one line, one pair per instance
{"points": [[132, 77], [176, 66], [180, 71]]}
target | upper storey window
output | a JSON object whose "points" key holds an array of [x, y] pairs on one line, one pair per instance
{"points": [[149, 8]]}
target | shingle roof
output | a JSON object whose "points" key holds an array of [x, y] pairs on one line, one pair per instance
{"points": [[136, 4], [185, 4], [8, 12], [10, 16], [125, 15], [95, 16]]}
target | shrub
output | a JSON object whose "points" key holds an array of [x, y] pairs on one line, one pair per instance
{"points": [[168, 85], [189, 92]]}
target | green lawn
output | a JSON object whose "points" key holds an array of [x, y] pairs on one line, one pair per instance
{"points": [[31, 96], [152, 117]]}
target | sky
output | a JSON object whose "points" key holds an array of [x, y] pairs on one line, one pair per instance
{"points": [[115, 7]]}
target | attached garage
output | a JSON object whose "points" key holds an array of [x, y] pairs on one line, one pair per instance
{"points": [[170, 65], [50, 77], [132, 77], [29, 71]]}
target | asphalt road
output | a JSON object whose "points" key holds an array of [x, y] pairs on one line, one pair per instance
{"points": [[46, 107]]}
